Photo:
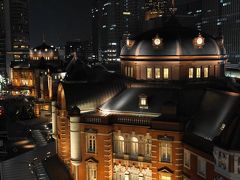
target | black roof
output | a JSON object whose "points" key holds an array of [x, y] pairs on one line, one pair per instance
{"points": [[176, 41], [229, 138]]}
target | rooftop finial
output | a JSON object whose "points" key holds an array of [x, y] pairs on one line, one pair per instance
{"points": [[43, 38]]}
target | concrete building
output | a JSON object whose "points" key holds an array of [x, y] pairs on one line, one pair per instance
{"points": [[116, 21], [83, 50], [15, 33]]}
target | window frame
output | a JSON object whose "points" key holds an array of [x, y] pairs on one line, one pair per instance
{"points": [[187, 153], [157, 71], [190, 73], [91, 166], [201, 161], [134, 146], [91, 142], [206, 74], [166, 71], [164, 149], [151, 71], [198, 72]]}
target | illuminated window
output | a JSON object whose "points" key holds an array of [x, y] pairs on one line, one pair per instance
{"points": [[143, 101], [157, 73], [91, 171], [187, 158], [149, 73], [201, 167], [131, 72], [198, 73], [134, 146], [205, 72], [190, 73], [165, 151], [126, 176], [126, 70], [91, 143], [119, 145], [166, 177], [165, 73]]}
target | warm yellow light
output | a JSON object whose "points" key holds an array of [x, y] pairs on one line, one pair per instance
{"points": [[200, 40], [157, 41]]}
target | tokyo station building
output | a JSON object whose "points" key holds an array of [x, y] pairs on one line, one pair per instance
{"points": [[170, 115]]}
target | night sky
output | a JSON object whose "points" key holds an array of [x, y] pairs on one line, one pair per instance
{"points": [[59, 20]]}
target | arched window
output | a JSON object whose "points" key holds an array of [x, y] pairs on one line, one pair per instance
{"points": [[120, 145], [127, 175], [141, 176], [134, 146]]}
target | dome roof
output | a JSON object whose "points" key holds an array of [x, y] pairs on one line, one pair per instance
{"points": [[174, 40]]}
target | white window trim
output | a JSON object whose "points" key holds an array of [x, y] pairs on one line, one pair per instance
{"points": [[160, 151], [184, 162], [87, 142], [93, 166], [205, 166]]}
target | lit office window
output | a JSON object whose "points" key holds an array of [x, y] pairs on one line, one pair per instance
{"points": [[205, 72], [198, 73], [157, 73], [166, 151], [149, 73], [165, 73], [190, 73]]}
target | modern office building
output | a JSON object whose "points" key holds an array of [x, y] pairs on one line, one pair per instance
{"points": [[83, 50], [189, 13], [156, 8], [95, 12], [16, 30], [116, 21], [2, 38]]}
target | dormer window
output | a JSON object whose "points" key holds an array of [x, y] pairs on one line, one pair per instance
{"points": [[143, 102]]}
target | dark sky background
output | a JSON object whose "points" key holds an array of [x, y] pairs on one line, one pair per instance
{"points": [[59, 20]]}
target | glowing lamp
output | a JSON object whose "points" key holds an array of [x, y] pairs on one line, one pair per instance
{"points": [[199, 41], [157, 42]]}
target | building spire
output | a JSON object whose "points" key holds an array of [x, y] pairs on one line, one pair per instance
{"points": [[43, 38]]}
